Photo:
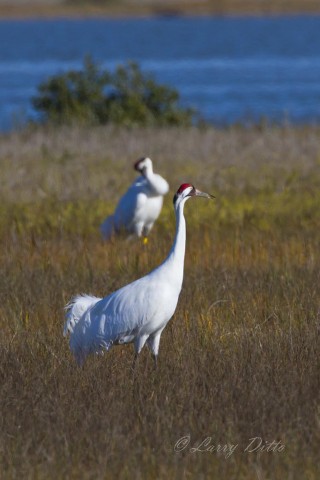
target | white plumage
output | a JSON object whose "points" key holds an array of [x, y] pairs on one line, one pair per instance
{"points": [[139, 311], [140, 206]]}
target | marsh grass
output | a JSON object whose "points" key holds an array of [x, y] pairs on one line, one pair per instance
{"points": [[240, 358]]}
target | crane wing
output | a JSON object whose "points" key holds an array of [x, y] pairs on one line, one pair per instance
{"points": [[132, 201], [115, 319]]}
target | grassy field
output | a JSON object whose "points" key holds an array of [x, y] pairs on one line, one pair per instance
{"points": [[239, 360], [76, 8]]}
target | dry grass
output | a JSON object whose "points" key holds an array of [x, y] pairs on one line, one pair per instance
{"points": [[240, 359]]}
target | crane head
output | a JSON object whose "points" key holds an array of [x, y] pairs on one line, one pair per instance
{"points": [[143, 164], [187, 190]]}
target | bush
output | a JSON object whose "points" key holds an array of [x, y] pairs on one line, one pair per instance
{"points": [[96, 96]]}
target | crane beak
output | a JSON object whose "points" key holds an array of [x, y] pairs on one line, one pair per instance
{"points": [[198, 193]]}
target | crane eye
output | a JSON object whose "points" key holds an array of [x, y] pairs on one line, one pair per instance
{"points": [[191, 193]]}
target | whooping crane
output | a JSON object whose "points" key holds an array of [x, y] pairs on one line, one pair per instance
{"points": [[140, 206], [139, 311]]}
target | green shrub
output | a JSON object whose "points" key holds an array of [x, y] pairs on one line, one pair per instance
{"points": [[95, 96]]}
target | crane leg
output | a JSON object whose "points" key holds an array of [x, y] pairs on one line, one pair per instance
{"points": [[134, 363], [155, 359]]}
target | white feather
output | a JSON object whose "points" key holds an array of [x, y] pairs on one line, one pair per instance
{"points": [[107, 227], [137, 312], [75, 309], [140, 206]]}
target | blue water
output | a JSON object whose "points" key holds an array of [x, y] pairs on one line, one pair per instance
{"points": [[231, 69]]}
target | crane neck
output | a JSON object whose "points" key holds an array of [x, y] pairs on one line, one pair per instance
{"points": [[148, 172], [151, 178], [157, 185], [175, 259]]}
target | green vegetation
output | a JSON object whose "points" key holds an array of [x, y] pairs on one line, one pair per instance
{"points": [[240, 358], [94, 96]]}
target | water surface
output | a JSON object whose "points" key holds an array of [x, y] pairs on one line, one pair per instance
{"points": [[231, 69]]}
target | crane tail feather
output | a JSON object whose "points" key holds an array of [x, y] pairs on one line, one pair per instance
{"points": [[77, 306], [107, 228]]}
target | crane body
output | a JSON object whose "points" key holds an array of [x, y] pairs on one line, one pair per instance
{"points": [[140, 206], [137, 312]]}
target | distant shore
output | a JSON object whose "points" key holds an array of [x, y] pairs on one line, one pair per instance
{"points": [[134, 8]]}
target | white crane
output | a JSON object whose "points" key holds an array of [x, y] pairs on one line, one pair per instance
{"points": [[139, 311], [140, 206]]}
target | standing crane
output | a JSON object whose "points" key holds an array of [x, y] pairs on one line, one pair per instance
{"points": [[140, 206], [139, 311]]}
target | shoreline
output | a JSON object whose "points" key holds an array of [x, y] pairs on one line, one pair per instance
{"points": [[232, 8]]}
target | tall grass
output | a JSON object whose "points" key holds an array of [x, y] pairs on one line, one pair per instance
{"points": [[240, 358]]}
